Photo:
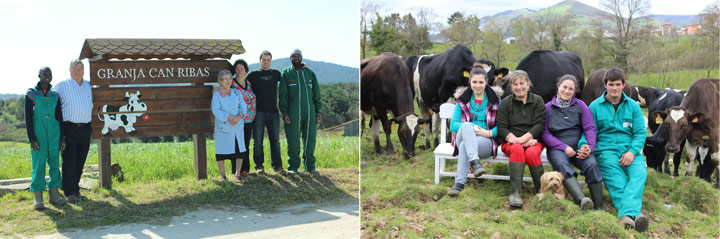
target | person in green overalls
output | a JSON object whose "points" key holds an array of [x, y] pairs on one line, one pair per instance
{"points": [[42, 120], [620, 139], [299, 102]]}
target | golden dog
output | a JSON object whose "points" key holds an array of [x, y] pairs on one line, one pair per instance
{"points": [[552, 182]]}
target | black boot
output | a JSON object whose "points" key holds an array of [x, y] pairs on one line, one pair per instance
{"points": [[596, 190], [456, 189], [536, 172], [516, 177], [573, 187], [477, 168]]}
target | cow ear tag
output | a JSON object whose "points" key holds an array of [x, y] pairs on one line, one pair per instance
{"points": [[500, 75], [695, 120], [658, 120], [466, 74]]}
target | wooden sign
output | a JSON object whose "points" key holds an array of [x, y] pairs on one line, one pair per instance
{"points": [[147, 110]]}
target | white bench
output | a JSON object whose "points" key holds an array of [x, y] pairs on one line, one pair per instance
{"points": [[445, 150]]}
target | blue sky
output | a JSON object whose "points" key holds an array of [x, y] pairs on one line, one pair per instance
{"points": [[51, 33]]}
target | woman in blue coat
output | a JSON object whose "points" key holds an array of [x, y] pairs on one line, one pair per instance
{"points": [[229, 111]]}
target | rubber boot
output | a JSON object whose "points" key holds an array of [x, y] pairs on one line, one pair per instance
{"points": [[516, 175], [641, 223], [596, 190], [39, 204], [456, 189], [536, 172], [573, 187], [55, 198], [477, 168]]}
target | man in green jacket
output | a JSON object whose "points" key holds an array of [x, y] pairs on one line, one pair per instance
{"points": [[299, 102], [620, 139]]}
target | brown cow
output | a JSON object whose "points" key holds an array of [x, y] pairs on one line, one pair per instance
{"points": [[594, 87], [696, 119], [385, 86]]}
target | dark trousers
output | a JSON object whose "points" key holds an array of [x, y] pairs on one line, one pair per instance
{"points": [[248, 131], [271, 121], [588, 166], [77, 144]]}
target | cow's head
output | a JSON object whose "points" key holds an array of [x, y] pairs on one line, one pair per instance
{"points": [[134, 103], [409, 126], [654, 149], [679, 122]]}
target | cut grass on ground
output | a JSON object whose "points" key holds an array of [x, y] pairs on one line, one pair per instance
{"points": [[159, 201]]}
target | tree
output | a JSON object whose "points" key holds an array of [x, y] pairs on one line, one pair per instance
{"points": [[625, 33], [493, 46], [417, 37], [463, 30], [367, 9], [385, 34], [709, 45], [542, 31]]}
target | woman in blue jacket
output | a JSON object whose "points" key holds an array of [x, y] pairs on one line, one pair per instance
{"points": [[229, 111]]}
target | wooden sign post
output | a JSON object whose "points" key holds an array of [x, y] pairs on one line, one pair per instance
{"points": [[135, 95]]}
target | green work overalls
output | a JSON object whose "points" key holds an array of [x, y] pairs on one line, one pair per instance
{"points": [[47, 134], [299, 94]]}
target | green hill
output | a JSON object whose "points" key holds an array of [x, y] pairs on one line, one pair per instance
{"points": [[327, 73]]}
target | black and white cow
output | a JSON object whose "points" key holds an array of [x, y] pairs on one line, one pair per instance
{"points": [[544, 67], [654, 149], [436, 77], [122, 116], [385, 86]]}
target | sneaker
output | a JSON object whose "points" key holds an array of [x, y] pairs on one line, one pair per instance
{"points": [[73, 198], [292, 173], [260, 170], [281, 171], [641, 223], [314, 172]]}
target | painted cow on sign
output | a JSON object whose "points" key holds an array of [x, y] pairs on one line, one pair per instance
{"points": [[122, 116]]}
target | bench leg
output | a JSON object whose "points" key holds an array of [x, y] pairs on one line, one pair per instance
{"points": [[437, 170]]}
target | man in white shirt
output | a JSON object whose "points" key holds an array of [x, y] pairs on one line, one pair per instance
{"points": [[76, 104]]}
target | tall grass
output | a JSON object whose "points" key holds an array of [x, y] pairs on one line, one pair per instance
{"points": [[148, 162]]}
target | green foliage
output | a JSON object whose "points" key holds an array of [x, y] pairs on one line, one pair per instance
{"points": [[148, 162], [399, 35], [463, 30], [340, 103]]}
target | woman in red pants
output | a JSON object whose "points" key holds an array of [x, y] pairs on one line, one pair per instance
{"points": [[520, 123]]}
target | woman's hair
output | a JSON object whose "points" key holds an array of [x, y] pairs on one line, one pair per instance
{"points": [[241, 62], [567, 77], [222, 73], [478, 71], [519, 74]]}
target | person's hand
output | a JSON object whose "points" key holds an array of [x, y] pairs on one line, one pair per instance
{"points": [[35, 146], [318, 118], [62, 145], [286, 118], [583, 152], [511, 138], [478, 130], [222, 91], [233, 119], [530, 143], [627, 159], [569, 151]]}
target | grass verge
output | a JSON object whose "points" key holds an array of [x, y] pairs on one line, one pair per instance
{"points": [[159, 201]]}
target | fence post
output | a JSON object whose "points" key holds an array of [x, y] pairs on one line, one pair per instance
{"points": [[200, 156], [104, 163]]}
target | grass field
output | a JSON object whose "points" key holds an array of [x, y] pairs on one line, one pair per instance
{"points": [[399, 198], [147, 162], [160, 183]]}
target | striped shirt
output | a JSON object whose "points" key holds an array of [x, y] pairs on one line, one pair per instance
{"points": [[76, 100]]}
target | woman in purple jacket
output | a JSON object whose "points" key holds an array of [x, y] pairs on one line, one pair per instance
{"points": [[569, 135]]}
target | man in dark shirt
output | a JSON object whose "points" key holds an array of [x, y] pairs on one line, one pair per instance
{"points": [[265, 83]]}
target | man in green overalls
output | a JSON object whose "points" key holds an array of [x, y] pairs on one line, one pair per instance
{"points": [[42, 120], [299, 101], [620, 139]]}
